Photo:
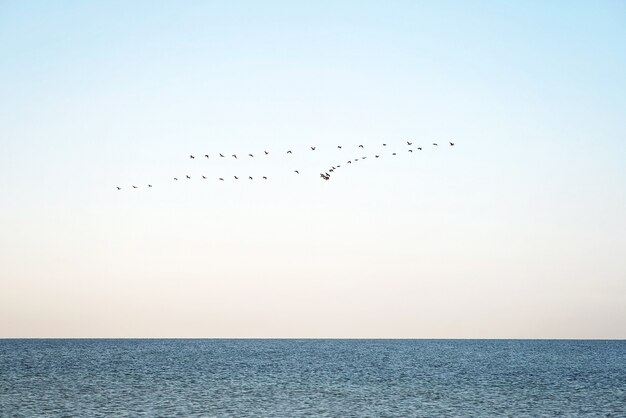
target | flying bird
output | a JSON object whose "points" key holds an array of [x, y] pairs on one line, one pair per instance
{"points": [[410, 150], [234, 155], [360, 146], [221, 179], [187, 176], [206, 155], [296, 171], [134, 187], [289, 152], [250, 177], [451, 144], [221, 155], [149, 185], [251, 155], [266, 152], [118, 188], [419, 148], [191, 156], [435, 144], [313, 148], [349, 162], [204, 177], [384, 145], [236, 178], [356, 159], [175, 179], [339, 146], [393, 153], [376, 156], [409, 143], [264, 178]]}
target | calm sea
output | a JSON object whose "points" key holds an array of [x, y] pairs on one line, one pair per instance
{"points": [[290, 378]]}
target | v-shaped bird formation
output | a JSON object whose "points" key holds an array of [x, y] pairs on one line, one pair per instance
{"points": [[325, 174]]}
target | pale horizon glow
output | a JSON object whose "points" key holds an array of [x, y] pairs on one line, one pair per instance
{"points": [[519, 231]]}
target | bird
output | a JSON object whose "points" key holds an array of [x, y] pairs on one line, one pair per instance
{"points": [[266, 152], [313, 148], [331, 170], [264, 178], [221, 155], [333, 167], [384, 145], [356, 159], [435, 144], [204, 177], [410, 150], [360, 146], [221, 179], [409, 143], [376, 156], [327, 175], [188, 177], [118, 188], [296, 171], [451, 144], [206, 155], [338, 166], [251, 155], [236, 178], [134, 187], [191, 156], [234, 155], [419, 148], [175, 179], [363, 158], [339, 146], [149, 185], [289, 152], [250, 177], [393, 153], [349, 162]]}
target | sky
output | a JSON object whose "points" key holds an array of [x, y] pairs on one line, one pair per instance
{"points": [[518, 231]]}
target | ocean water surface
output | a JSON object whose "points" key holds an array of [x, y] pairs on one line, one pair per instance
{"points": [[290, 378]]}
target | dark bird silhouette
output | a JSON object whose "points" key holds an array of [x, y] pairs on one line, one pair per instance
{"points": [[264, 178], [384, 145], [118, 188], [435, 144], [331, 170], [313, 148], [327, 175], [338, 166], [191, 156], [393, 153], [409, 143], [451, 144], [363, 158], [349, 162], [221, 155], [360, 146], [234, 156], [251, 155], [206, 155], [250, 177], [266, 152], [175, 179], [333, 167], [188, 177], [410, 150], [236, 178], [221, 179], [149, 185], [204, 177], [296, 171], [356, 159], [134, 187], [419, 148], [376, 156], [289, 152], [339, 146]]}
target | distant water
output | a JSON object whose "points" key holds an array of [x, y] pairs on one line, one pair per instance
{"points": [[291, 378]]}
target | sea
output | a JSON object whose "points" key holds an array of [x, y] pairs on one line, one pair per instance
{"points": [[311, 378]]}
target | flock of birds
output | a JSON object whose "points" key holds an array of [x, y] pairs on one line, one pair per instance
{"points": [[325, 175]]}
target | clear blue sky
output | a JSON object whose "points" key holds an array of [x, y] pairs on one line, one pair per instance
{"points": [[517, 231]]}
